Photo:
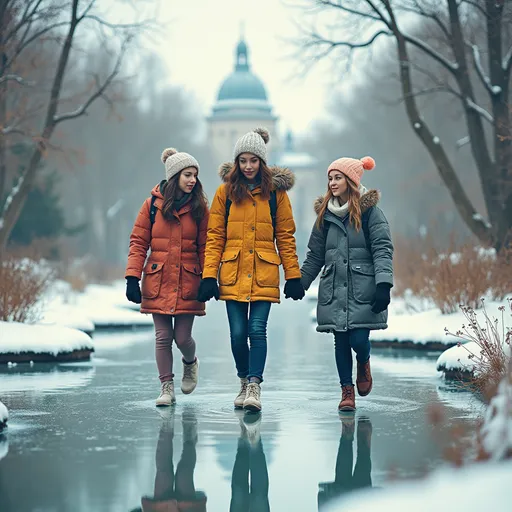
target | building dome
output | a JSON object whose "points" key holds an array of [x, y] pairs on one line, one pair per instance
{"points": [[242, 83], [242, 94]]}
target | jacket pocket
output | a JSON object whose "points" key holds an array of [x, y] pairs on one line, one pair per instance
{"points": [[190, 278], [267, 268], [363, 282], [152, 280], [326, 286], [229, 267]]}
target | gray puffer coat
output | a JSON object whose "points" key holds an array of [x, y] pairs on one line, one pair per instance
{"points": [[353, 264]]}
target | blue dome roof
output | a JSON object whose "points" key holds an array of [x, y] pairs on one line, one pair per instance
{"points": [[242, 83]]}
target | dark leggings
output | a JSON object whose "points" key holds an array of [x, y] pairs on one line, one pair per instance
{"points": [[357, 340]]}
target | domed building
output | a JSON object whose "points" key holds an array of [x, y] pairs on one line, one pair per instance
{"points": [[242, 104]]}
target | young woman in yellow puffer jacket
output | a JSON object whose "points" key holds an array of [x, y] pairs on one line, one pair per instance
{"points": [[250, 214]]}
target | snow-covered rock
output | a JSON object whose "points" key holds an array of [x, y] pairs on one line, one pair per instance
{"points": [[19, 339], [497, 427], [445, 490], [460, 358], [4, 416]]}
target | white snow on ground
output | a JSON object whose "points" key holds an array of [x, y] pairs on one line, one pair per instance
{"points": [[49, 339], [54, 380], [68, 316], [459, 357], [484, 486], [497, 427], [103, 305], [4, 413]]}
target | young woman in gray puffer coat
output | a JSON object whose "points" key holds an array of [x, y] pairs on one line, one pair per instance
{"points": [[351, 244]]}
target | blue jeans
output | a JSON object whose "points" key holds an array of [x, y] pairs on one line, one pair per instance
{"points": [[359, 341], [245, 323]]}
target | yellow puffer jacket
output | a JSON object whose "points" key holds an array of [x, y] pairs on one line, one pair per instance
{"points": [[247, 256]]}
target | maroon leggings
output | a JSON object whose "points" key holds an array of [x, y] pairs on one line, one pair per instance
{"points": [[166, 332]]}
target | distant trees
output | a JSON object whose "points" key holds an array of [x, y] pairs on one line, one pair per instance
{"points": [[465, 51]]}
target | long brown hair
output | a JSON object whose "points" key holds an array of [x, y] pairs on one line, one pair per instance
{"points": [[171, 190], [236, 184], [354, 205]]}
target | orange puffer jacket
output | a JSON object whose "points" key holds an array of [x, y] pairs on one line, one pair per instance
{"points": [[244, 257], [172, 272]]}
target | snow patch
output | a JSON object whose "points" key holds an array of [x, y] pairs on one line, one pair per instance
{"points": [[47, 339], [497, 427], [435, 140], [4, 447], [496, 89], [68, 316], [444, 490], [417, 126], [459, 358]]}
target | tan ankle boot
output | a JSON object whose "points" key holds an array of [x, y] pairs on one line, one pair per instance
{"points": [[348, 399], [252, 401], [190, 376], [239, 400], [364, 379], [167, 396]]}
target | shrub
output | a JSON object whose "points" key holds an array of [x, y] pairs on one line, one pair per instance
{"points": [[23, 282]]}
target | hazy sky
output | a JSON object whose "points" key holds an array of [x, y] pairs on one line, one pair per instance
{"points": [[199, 50]]}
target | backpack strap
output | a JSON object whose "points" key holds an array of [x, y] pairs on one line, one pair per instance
{"points": [[273, 209], [152, 210]]}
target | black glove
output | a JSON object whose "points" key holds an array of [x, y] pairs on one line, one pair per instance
{"points": [[382, 298], [293, 289], [208, 289], [133, 290]]}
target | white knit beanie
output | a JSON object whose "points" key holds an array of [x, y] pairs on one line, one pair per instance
{"points": [[175, 162], [254, 142]]}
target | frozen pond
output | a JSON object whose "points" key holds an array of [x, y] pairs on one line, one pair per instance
{"points": [[87, 437]]}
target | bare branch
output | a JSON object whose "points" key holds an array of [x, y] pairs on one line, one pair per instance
{"points": [[475, 5], [348, 10], [317, 40], [100, 92], [16, 78], [453, 67], [479, 110], [480, 70], [507, 62], [123, 26], [419, 10], [87, 9]]}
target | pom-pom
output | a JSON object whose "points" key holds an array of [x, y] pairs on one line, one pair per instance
{"points": [[368, 163], [263, 133], [167, 153]]}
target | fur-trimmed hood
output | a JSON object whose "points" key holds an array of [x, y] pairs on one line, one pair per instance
{"points": [[368, 200], [282, 177]]}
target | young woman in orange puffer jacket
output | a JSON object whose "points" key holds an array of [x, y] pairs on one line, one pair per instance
{"points": [[172, 223], [251, 214]]}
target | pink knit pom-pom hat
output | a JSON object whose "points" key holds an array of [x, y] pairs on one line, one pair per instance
{"points": [[352, 168]]}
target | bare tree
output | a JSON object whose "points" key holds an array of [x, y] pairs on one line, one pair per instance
{"points": [[460, 58], [26, 25]]}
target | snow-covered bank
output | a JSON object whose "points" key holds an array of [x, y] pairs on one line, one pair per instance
{"points": [[483, 486], [25, 343], [4, 416], [98, 306], [419, 330]]}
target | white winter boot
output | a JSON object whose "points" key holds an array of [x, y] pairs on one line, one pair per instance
{"points": [[190, 376], [252, 400], [167, 396], [239, 400]]}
